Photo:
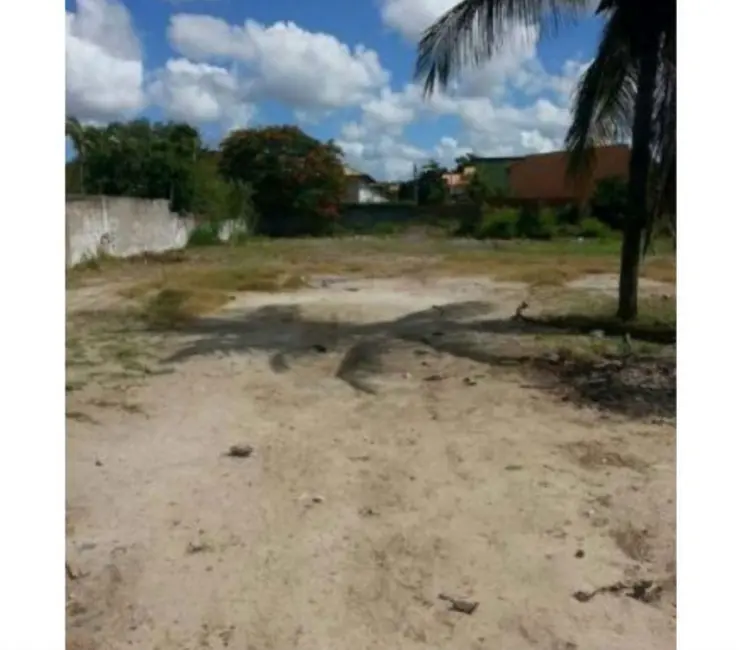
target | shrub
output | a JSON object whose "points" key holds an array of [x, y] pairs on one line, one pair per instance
{"points": [[568, 215], [592, 228], [610, 201], [386, 228], [569, 230], [205, 234], [498, 224], [536, 223]]}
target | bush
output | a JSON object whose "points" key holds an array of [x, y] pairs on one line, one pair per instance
{"points": [[610, 202], [205, 234], [386, 228], [592, 228], [498, 224], [568, 215], [569, 230], [536, 223]]}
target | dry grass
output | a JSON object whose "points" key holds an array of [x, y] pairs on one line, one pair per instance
{"points": [[592, 454], [108, 347], [266, 265], [176, 297], [172, 308], [169, 289], [586, 312], [552, 263]]}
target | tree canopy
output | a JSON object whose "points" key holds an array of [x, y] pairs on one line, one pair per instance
{"points": [[298, 181]]}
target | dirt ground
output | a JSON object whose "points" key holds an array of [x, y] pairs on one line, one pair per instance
{"points": [[397, 451]]}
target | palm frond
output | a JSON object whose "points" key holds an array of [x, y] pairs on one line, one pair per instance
{"points": [[604, 100], [471, 32], [664, 146]]}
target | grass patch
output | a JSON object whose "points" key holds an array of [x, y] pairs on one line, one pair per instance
{"points": [[172, 308], [176, 298], [278, 264], [585, 313], [79, 416]]}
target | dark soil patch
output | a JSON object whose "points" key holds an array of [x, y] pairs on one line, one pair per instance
{"points": [[635, 387]]}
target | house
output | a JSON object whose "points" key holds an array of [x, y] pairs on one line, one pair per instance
{"points": [[494, 171], [543, 177], [456, 182], [361, 188]]}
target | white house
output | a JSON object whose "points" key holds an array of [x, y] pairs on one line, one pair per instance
{"points": [[360, 188]]}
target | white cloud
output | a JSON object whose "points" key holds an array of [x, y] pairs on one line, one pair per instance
{"points": [[305, 70], [487, 127], [517, 49], [199, 92], [411, 17], [104, 68], [384, 157], [226, 70]]}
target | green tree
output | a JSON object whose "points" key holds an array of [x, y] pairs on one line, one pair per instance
{"points": [[463, 161], [478, 190], [144, 160], [298, 182], [217, 199], [79, 137], [432, 189], [628, 90]]}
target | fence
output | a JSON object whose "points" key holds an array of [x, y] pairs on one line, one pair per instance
{"points": [[122, 227]]}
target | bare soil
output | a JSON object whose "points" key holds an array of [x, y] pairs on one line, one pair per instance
{"points": [[398, 440]]}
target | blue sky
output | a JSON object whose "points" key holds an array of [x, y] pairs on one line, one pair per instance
{"points": [[339, 70]]}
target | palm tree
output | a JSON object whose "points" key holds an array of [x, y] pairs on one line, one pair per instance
{"points": [[628, 90], [77, 134]]}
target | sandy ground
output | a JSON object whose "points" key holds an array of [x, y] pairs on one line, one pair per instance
{"points": [[384, 473]]}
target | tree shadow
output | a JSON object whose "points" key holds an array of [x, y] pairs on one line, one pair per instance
{"points": [[638, 386]]}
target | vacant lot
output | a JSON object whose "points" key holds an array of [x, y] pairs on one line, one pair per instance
{"points": [[306, 444]]}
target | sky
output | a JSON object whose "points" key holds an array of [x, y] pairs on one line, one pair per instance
{"points": [[338, 70]]}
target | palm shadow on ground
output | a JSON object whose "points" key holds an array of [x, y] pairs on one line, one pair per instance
{"points": [[637, 385]]}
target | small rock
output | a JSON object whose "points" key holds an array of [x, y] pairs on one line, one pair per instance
{"points": [[200, 547], [597, 334], [98, 463], [308, 500], [240, 451], [458, 605], [579, 554], [469, 382], [513, 468], [433, 378], [319, 348]]}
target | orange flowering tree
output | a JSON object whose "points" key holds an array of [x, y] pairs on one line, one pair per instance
{"points": [[298, 181]]}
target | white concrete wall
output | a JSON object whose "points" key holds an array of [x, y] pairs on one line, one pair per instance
{"points": [[358, 192], [368, 195], [122, 227]]}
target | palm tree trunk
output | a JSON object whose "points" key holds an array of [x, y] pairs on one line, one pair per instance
{"points": [[638, 205]]}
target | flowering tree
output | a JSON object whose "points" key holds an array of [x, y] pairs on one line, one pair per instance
{"points": [[298, 182]]}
